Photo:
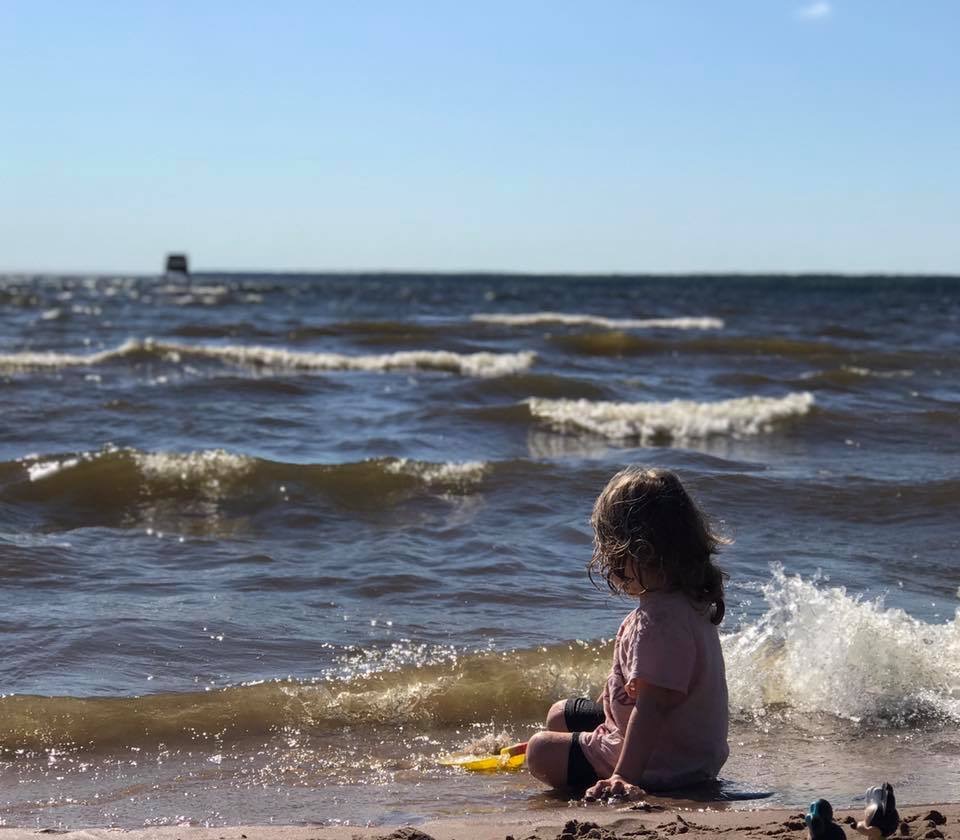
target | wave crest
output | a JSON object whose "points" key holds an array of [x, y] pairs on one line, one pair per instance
{"points": [[111, 484], [448, 473], [511, 686], [815, 650], [576, 319], [650, 422], [480, 364]]}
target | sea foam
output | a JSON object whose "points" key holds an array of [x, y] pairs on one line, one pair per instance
{"points": [[448, 473], [673, 420], [821, 649], [208, 465], [576, 319], [278, 358], [44, 469]]}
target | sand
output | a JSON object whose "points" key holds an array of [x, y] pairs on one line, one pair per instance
{"points": [[595, 822]]}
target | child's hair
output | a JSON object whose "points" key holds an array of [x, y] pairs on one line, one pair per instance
{"points": [[646, 516]]}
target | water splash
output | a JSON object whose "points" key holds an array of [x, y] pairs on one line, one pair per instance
{"points": [[820, 649]]}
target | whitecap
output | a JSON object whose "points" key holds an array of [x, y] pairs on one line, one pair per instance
{"points": [[48, 359], [469, 364], [449, 472], [44, 469], [480, 364], [206, 466], [853, 370], [673, 420], [577, 319]]}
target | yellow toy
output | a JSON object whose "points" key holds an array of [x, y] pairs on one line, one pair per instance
{"points": [[510, 758]]}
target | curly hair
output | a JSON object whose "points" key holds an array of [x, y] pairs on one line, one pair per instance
{"points": [[646, 517]]}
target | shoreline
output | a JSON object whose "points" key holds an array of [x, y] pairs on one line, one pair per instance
{"points": [[930, 822]]}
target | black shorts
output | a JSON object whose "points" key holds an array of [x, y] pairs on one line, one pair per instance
{"points": [[581, 715]]}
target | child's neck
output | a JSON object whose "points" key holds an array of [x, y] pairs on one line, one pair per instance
{"points": [[653, 580]]}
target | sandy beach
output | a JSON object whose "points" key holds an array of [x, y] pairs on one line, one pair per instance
{"points": [[931, 822]]}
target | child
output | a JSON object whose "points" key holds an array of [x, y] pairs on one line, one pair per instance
{"points": [[661, 721]]}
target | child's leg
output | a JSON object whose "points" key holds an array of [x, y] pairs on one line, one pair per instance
{"points": [[556, 759], [556, 720], [578, 714], [548, 755]]}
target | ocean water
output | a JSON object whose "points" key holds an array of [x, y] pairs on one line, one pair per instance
{"points": [[271, 544]]}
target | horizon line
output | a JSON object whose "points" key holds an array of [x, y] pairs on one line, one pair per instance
{"points": [[433, 272]]}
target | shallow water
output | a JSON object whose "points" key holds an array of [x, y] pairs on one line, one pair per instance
{"points": [[251, 526]]}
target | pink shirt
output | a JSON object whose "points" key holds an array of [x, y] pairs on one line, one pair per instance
{"points": [[667, 641]]}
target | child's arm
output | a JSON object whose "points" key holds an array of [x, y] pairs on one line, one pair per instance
{"points": [[652, 706]]}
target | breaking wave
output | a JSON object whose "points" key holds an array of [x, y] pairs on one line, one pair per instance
{"points": [[822, 649], [408, 685], [449, 473], [815, 650], [468, 364], [575, 319], [652, 422], [111, 484], [847, 376]]}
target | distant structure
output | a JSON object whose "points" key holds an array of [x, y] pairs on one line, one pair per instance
{"points": [[177, 264]]}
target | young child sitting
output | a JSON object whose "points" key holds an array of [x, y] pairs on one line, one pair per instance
{"points": [[661, 721]]}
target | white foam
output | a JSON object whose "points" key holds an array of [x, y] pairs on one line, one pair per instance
{"points": [[451, 472], [38, 468], [879, 374], [575, 319], [49, 360], [676, 419], [44, 469], [468, 364], [209, 466], [820, 649]]}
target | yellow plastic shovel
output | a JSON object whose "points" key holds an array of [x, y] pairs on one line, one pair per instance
{"points": [[510, 758]]}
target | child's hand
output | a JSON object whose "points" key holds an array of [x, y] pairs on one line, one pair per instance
{"points": [[614, 787], [515, 749]]}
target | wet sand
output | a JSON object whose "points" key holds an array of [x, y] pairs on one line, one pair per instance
{"points": [[930, 822]]}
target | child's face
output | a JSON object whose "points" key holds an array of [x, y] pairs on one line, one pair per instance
{"points": [[630, 580], [635, 581]]}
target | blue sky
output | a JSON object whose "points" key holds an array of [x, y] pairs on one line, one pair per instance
{"points": [[533, 136]]}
